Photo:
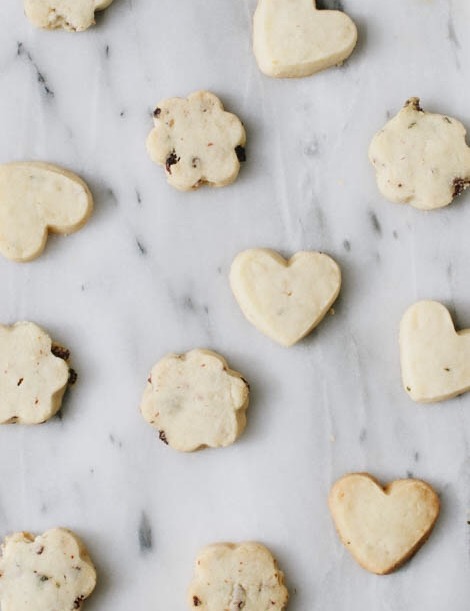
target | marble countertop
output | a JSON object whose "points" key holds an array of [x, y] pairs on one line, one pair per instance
{"points": [[148, 275]]}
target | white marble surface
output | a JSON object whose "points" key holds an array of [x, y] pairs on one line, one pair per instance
{"points": [[148, 275]]}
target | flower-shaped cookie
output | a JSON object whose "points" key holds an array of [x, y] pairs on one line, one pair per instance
{"points": [[35, 198], [232, 577], [292, 38], [32, 378], [52, 572], [421, 158], [196, 401], [197, 141], [72, 15]]}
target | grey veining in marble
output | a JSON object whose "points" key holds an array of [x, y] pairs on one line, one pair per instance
{"points": [[148, 275]]}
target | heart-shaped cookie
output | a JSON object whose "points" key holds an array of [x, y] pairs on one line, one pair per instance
{"points": [[292, 38], [383, 527], [435, 358], [35, 198], [285, 300]]}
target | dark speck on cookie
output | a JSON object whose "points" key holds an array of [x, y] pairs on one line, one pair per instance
{"points": [[172, 159], [460, 184], [241, 154], [61, 353]]}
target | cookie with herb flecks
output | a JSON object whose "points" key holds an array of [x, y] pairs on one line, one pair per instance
{"points": [[34, 374], [195, 401], [197, 141], [50, 572], [237, 576], [421, 158]]}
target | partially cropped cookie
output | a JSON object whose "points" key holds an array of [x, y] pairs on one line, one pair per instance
{"points": [[34, 374], [72, 15], [421, 158], [195, 401], [285, 300], [435, 358], [37, 198], [292, 38], [232, 577], [383, 527], [197, 141], [50, 572]]}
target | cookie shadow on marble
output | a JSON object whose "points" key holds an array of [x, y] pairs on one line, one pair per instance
{"points": [[102, 17], [105, 199], [97, 599]]}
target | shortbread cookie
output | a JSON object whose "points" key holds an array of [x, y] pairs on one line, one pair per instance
{"points": [[35, 198], [197, 141], [232, 577], [72, 15], [435, 358], [51, 572], [285, 300], [421, 158], [32, 378], [292, 38], [383, 527], [196, 401]]}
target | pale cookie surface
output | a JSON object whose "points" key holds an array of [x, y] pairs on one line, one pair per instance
{"points": [[383, 527], [197, 141], [72, 15], [292, 38], [285, 300], [421, 158], [230, 577], [52, 572], [435, 358], [196, 401], [32, 379], [35, 198]]}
